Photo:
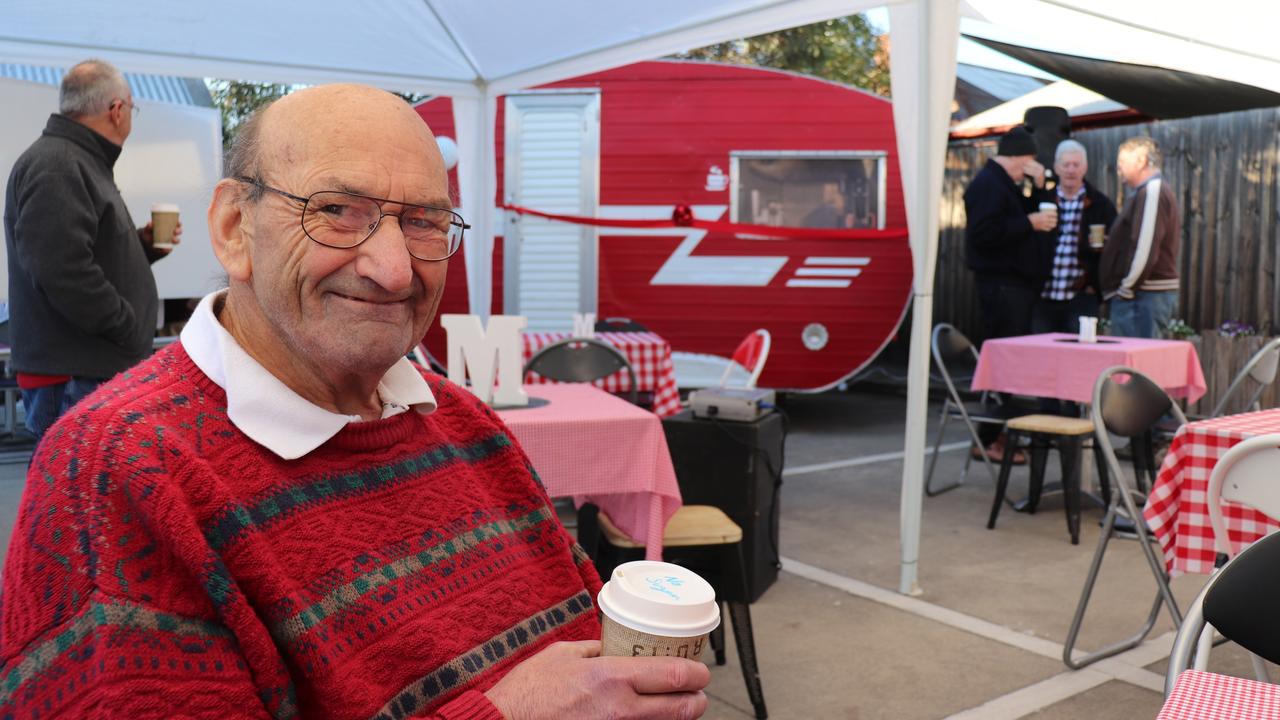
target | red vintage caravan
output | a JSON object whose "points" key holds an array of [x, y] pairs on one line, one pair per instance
{"points": [[743, 146]]}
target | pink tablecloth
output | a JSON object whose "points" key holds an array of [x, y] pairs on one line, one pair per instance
{"points": [[1199, 695], [598, 448], [1176, 510], [649, 355], [1053, 365]]}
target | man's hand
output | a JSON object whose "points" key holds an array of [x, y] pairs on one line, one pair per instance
{"points": [[1043, 221], [1035, 171], [148, 235], [570, 680]]}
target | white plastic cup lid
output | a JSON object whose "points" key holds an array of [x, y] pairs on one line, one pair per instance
{"points": [[1051, 207], [660, 599], [164, 207]]}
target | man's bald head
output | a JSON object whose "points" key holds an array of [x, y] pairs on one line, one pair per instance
{"points": [[317, 119]]}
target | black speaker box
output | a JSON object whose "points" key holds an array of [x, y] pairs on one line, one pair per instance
{"points": [[737, 467]]}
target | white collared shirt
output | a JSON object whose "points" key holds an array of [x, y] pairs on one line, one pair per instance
{"points": [[267, 410]]}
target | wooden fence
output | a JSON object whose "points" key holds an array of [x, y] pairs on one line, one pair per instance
{"points": [[1223, 169]]}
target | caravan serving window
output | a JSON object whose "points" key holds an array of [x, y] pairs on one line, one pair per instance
{"points": [[838, 189]]}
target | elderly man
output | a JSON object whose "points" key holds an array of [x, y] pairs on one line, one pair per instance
{"points": [[1004, 241], [279, 516], [83, 303], [1139, 267], [1005, 244], [1072, 287]]}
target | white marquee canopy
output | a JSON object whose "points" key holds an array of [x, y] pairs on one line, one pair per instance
{"points": [[476, 50]]}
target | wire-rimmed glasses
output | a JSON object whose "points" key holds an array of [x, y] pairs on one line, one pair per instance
{"points": [[339, 219]]}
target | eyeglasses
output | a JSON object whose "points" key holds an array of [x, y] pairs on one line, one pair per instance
{"points": [[339, 219]]}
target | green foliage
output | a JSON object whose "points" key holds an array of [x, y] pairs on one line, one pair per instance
{"points": [[237, 100], [845, 50], [1177, 329]]}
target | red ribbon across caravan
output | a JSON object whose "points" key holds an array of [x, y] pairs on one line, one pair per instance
{"points": [[683, 217]]}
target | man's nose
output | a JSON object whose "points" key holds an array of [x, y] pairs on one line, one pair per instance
{"points": [[384, 258]]}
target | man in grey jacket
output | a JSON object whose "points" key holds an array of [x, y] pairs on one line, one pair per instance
{"points": [[82, 300]]}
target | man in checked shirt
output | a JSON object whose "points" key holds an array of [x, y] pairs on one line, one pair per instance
{"points": [[1072, 289]]}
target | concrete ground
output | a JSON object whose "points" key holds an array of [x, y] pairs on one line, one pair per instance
{"points": [[983, 640]]}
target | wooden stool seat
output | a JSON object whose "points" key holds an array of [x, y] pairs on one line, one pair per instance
{"points": [[1052, 425], [691, 526], [1068, 435]]}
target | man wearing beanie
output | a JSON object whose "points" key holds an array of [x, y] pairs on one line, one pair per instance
{"points": [[1006, 243]]}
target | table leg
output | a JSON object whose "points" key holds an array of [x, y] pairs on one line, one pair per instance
{"points": [[1071, 456]]}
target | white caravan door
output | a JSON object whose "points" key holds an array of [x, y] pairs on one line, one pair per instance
{"points": [[552, 164]]}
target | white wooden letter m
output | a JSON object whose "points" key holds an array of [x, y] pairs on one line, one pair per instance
{"points": [[479, 353]]}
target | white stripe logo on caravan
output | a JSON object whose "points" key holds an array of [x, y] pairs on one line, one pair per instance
{"points": [[685, 268], [828, 272]]}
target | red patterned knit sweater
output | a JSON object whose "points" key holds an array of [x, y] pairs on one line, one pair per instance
{"points": [[164, 565]]}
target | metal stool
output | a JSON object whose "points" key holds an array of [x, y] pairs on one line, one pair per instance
{"points": [[705, 528], [1046, 431]]}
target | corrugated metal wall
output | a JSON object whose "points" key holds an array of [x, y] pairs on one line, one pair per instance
{"points": [[1223, 169], [180, 91]]}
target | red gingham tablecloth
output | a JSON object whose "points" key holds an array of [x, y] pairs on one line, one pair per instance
{"points": [[649, 355], [1199, 695], [601, 449], [1177, 511]]}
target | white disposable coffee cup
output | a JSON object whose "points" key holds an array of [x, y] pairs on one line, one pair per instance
{"points": [[657, 609], [1088, 329], [164, 220], [1049, 207]]}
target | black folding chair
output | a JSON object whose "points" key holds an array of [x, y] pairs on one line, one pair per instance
{"points": [[581, 360], [1240, 601], [1130, 409], [950, 349]]}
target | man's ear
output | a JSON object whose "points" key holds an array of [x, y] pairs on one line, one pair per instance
{"points": [[116, 113], [231, 229]]}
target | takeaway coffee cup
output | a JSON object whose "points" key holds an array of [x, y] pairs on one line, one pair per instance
{"points": [[1088, 329], [1051, 208], [656, 609], [1097, 236], [164, 220]]}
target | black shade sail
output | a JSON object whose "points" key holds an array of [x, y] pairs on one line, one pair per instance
{"points": [[1154, 91]]}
